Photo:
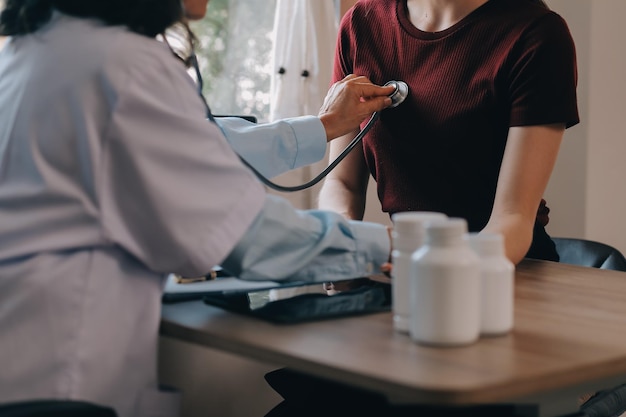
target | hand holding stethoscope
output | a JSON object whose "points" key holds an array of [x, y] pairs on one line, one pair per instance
{"points": [[399, 94]]}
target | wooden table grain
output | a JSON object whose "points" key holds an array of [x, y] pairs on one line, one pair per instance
{"points": [[569, 337]]}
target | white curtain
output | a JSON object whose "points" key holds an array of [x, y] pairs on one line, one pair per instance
{"points": [[304, 42]]}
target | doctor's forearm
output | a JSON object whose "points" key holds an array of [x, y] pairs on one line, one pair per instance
{"points": [[316, 246], [277, 147]]}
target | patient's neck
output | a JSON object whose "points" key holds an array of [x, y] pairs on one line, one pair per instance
{"points": [[438, 15]]}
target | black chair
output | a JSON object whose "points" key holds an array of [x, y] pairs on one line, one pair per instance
{"points": [[610, 402], [55, 408], [589, 253], [606, 403]]}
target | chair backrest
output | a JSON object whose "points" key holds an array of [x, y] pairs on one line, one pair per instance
{"points": [[589, 253]]}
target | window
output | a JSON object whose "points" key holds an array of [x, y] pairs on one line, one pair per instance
{"points": [[235, 44], [235, 56]]}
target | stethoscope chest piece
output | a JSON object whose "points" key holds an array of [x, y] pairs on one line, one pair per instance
{"points": [[401, 92]]}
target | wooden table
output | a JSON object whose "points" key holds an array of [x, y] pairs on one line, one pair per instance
{"points": [[569, 338]]}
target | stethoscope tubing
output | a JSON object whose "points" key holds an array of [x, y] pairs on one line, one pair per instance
{"points": [[289, 189], [398, 97]]}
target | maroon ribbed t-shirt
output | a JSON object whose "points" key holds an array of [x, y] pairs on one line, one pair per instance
{"points": [[508, 63]]}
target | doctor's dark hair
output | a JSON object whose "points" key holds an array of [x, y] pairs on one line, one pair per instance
{"points": [[146, 17]]}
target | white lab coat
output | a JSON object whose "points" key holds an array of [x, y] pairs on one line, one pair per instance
{"points": [[88, 231], [305, 34], [110, 178]]}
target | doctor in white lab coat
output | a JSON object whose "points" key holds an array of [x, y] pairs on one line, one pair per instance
{"points": [[111, 178]]}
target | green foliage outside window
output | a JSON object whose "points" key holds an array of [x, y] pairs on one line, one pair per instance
{"points": [[235, 43]]}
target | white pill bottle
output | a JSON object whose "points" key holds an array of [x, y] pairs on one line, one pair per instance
{"points": [[497, 276], [445, 287], [408, 234]]}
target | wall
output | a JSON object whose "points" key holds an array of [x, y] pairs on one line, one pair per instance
{"points": [[606, 201], [585, 190], [567, 192]]}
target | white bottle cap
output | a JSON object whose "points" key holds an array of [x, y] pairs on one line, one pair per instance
{"points": [[409, 227], [411, 222], [487, 244], [453, 227]]}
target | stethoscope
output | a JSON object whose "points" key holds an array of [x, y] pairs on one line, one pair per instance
{"points": [[399, 94]]}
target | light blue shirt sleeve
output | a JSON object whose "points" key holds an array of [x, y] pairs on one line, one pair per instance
{"points": [[307, 245], [277, 147]]}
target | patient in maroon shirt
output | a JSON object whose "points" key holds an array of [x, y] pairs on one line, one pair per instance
{"points": [[492, 87]]}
